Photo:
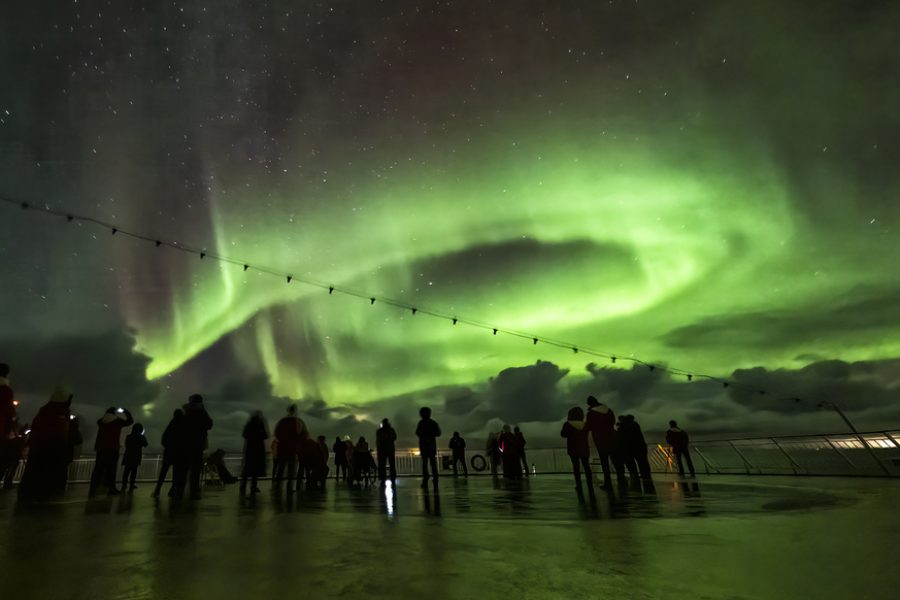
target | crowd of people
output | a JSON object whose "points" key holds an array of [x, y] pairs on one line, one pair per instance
{"points": [[53, 441]]}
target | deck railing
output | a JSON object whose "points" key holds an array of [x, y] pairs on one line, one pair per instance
{"points": [[872, 454]]}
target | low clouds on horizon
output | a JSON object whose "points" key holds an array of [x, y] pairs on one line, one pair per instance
{"points": [[105, 370]]}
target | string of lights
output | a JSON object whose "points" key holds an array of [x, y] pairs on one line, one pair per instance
{"points": [[414, 309]]}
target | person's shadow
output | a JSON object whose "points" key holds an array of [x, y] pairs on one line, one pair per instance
{"points": [[432, 508]]}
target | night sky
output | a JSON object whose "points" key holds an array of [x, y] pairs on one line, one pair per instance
{"points": [[712, 186]]}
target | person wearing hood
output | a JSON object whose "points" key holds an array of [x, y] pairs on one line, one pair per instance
{"points": [[9, 454], [678, 440], [340, 459], [428, 432], [255, 434], [135, 442], [197, 424], [576, 433], [48, 449], [173, 455], [520, 442], [290, 432], [385, 438], [601, 422], [107, 445]]}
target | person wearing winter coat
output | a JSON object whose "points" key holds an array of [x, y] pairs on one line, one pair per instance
{"points": [[576, 433], [48, 449], [520, 442], [678, 440], [340, 459], [458, 447], [195, 433], [428, 432], [9, 443], [601, 422], [633, 445], [290, 432], [255, 434], [173, 455], [107, 445], [314, 461], [135, 442], [509, 446], [492, 448], [385, 440]]}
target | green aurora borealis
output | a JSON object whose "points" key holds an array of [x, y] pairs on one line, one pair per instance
{"points": [[713, 188]]}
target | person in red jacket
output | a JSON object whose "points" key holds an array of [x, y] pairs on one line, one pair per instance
{"points": [[49, 449], [107, 445], [576, 433], [678, 440], [601, 422]]}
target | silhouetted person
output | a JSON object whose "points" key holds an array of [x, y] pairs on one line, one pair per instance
{"points": [[385, 440], [197, 424], [678, 440], [135, 442], [520, 441], [601, 422], [216, 460], [314, 460], [428, 432], [340, 458], [458, 447], [493, 452], [173, 455], [107, 445], [362, 459], [634, 445], [576, 434], [12, 454], [9, 454], [509, 446], [48, 449], [290, 431], [255, 434]]}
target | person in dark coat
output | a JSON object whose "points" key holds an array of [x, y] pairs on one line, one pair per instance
{"points": [[173, 455], [634, 445], [11, 455], [290, 432], [197, 424], [520, 442], [385, 439], [48, 449], [135, 442], [314, 461], [9, 443], [256, 432], [340, 459], [678, 440], [107, 446], [458, 447], [493, 452], [509, 446], [576, 433], [428, 432], [601, 423]]}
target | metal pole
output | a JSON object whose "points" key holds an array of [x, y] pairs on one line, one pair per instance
{"points": [[865, 444], [747, 464], [795, 465]]}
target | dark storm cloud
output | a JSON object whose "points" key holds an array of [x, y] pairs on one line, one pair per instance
{"points": [[860, 312], [527, 393], [856, 386]]}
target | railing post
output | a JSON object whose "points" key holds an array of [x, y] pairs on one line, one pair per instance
{"points": [[747, 465], [795, 466], [706, 463], [839, 453]]}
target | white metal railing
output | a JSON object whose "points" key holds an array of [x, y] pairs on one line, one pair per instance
{"points": [[870, 454]]}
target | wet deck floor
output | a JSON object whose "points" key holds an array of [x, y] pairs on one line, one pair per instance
{"points": [[718, 537]]}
